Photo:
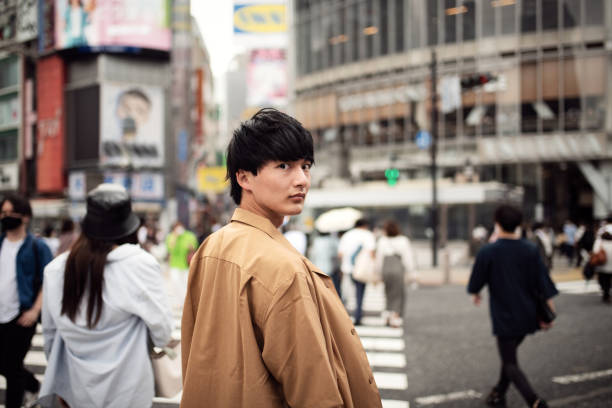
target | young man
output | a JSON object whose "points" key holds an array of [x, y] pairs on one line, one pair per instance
{"points": [[262, 326], [22, 260], [514, 271]]}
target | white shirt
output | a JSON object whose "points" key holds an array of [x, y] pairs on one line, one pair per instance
{"points": [[9, 295], [109, 365], [398, 245], [297, 239], [350, 242]]}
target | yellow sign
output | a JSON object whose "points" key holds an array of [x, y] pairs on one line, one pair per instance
{"points": [[212, 179], [259, 18]]}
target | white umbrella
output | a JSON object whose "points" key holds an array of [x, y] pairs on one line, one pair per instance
{"points": [[338, 219]]}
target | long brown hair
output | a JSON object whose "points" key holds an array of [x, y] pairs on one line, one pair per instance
{"points": [[85, 273]]}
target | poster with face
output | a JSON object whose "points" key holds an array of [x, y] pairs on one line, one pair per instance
{"points": [[132, 126]]}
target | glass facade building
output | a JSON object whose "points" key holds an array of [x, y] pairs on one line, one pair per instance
{"points": [[363, 73]]}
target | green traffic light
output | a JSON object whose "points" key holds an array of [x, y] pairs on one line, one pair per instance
{"points": [[392, 175]]}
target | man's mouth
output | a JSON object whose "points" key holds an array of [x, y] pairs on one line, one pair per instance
{"points": [[300, 195]]}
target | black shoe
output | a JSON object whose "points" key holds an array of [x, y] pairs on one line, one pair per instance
{"points": [[495, 399], [540, 403]]}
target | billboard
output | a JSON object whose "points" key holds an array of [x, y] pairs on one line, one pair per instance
{"points": [[18, 21], [259, 18], [50, 161], [267, 78], [104, 23], [132, 125]]}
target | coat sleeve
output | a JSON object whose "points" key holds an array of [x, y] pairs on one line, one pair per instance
{"points": [[294, 349], [49, 327], [545, 284], [149, 299], [480, 273]]}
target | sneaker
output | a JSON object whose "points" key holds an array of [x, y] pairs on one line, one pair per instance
{"points": [[495, 399]]}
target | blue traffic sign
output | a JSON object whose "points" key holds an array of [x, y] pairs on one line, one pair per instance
{"points": [[423, 139]]}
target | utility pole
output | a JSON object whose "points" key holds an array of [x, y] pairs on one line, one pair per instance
{"points": [[434, 153]]}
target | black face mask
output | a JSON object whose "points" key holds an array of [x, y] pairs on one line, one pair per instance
{"points": [[10, 223]]}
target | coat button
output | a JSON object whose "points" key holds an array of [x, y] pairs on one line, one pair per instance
{"points": [[353, 332]]}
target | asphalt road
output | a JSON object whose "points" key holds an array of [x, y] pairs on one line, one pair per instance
{"points": [[452, 357]]}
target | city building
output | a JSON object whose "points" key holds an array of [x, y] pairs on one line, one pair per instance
{"points": [[524, 106], [90, 92]]}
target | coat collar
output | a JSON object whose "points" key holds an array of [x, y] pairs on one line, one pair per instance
{"points": [[246, 217]]}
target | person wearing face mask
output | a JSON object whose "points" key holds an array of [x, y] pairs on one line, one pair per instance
{"points": [[22, 260]]}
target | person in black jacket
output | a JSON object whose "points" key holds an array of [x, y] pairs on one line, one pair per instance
{"points": [[514, 272]]}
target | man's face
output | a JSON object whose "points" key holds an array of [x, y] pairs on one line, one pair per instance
{"points": [[279, 188], [7, 211]]}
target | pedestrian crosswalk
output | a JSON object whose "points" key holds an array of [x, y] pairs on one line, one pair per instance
{"points": [[384, 346], [578, 287]]}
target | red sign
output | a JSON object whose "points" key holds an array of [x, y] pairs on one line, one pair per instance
{"points": [[50, 135]]}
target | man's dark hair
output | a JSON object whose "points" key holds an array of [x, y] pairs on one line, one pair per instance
{"points": [[508, 217], [269, 135], [20, 204]]}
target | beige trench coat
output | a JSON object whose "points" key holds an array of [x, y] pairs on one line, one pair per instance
{"points": [[263, 327]]}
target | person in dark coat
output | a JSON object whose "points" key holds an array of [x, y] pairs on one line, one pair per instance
{"points": [[514, 271]]}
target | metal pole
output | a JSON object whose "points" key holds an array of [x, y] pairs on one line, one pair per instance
{"points": [[434, 153]]}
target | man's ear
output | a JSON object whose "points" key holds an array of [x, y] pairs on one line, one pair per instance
{"points": [[243, 177]]}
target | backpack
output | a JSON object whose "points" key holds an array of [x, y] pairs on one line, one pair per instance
{"points": [[392, 265]]}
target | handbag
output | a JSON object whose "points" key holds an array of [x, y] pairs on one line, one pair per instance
{"points": [[167, 369], [364, 269], [598, 258]]}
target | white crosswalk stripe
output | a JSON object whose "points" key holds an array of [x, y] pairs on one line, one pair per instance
{"points": [[384, 347], [579, 287]]}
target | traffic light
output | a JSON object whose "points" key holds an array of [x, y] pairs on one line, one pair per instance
{"points": [[392, 174], [476, 80]]}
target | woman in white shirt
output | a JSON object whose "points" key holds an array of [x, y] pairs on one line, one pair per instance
{"points": [[102, 300], [394, 259]]}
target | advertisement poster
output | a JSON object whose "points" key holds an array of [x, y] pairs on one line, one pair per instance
{"points": [[259, 18], [103, 23], [267, 78], [132, 125]]}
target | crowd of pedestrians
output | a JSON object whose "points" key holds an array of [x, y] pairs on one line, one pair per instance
{"points": [[262, 324]]}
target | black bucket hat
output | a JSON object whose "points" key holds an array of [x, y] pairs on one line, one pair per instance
{"points": [[109, 213]]}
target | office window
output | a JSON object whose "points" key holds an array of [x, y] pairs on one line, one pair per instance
{"points": [[528, 16], [488, 18], [550, 16], [341, 34], [432, 22], [384, 27], [469, 21], [9, 71], [8, 145], [508, 24], [571, 13], [353, 23], [399, 25], [370, 28], [451, 14], [594, 12]]}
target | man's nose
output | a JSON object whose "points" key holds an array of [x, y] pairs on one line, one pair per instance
{"points": [[302, 176]]}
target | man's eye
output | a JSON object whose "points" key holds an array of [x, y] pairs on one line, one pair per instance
{"points": [[283, 166], [306, 166]]}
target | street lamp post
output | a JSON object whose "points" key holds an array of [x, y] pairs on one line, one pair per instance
{"points": [[434, 153]]}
